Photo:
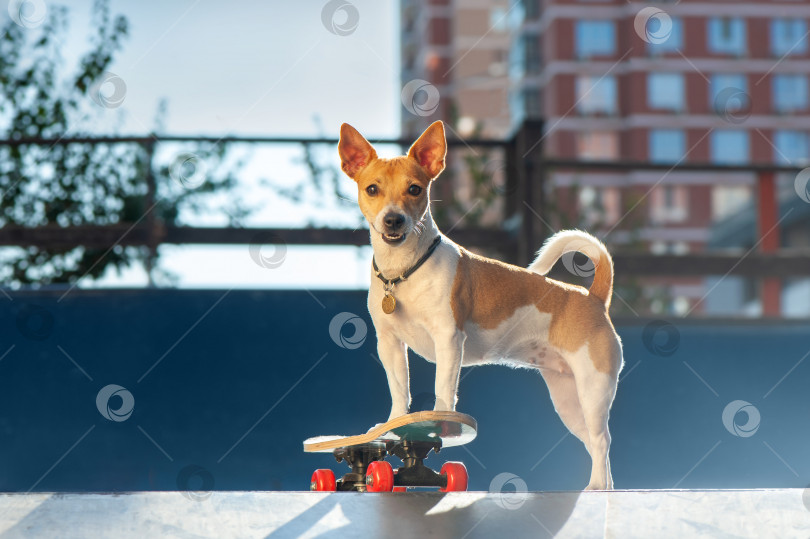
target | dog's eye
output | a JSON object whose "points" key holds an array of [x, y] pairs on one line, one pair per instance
{"points": [[371, 190], [414, 190]]}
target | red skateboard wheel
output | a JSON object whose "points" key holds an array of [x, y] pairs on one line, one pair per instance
{"points": [[456, 474], [379, 477], [323, 481]]}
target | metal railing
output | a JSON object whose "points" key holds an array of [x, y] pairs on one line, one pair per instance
{"points": [[526, 171]]}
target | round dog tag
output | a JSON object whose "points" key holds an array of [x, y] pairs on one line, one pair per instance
{"points": [[389, 304]]}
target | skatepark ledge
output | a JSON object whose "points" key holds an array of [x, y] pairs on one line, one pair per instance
{"points": [[652, 513]]}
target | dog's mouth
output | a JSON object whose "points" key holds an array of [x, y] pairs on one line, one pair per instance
{"points": [[393, 239]]}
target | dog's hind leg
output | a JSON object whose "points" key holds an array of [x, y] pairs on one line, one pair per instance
{"points": [[563, 391], [596, 390]]}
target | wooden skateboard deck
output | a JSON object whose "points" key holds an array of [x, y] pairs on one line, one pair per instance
{"points": [[450, 428], [411, 438]]}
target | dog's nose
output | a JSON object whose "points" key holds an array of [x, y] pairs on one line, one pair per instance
{"points": [[394, 221]]}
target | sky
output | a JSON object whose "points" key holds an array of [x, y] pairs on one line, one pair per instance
{"points": [[274, 68]]}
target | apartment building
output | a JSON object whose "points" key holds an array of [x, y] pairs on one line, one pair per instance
{"points": [[663, 82]]}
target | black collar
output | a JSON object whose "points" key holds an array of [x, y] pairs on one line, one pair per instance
{"points": [[413, 268]]}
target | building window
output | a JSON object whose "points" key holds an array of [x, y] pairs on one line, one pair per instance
{"points": [[788, 37], [718, 86], [671, 43], [525, 103], [669, 204], [727, 35], [599, 206], [597, 145], [498, 20], [666, 91], [667, 145], [499, 66], [525, 56], [595, 38], [728, 200], [531, 102], [729, 147], [789, 92], [533, 57], [791, 147], [596, 95], [522, 11], [517, 59]]}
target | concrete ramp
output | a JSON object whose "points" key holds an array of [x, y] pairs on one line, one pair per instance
{"points": [[647, 514]]}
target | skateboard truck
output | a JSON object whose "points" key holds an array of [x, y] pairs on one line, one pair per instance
{"points": [[414, 473], [358, 457]]}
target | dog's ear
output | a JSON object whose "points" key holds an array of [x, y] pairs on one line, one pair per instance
{"points": [[430, 149], [355, 151]]}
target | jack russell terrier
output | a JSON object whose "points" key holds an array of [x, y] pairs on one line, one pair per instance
{"points": [[456, 308]]}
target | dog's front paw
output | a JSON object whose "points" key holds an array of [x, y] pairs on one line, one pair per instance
{"points": [[444, 406], [395, 414], [375, 426], [390, 418]]}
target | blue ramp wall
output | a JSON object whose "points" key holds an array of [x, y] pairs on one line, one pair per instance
{"points": [[217, 390]]}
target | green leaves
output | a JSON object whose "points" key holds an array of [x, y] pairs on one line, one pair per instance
{"points": [[68, 184]]}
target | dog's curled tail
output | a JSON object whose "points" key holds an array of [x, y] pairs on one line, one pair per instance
{"points": [[568, 241]]}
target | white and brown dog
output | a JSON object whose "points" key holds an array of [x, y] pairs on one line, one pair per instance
{"points": [[456, 308]]}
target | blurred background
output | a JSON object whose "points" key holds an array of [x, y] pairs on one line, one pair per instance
{"points": [[184, 266]]}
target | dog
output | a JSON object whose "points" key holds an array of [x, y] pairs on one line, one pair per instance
{"points": [[454, 307]]}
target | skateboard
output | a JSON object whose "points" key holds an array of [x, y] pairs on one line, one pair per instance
{"points": [[410, 438]]}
